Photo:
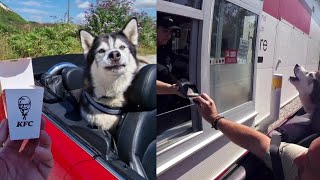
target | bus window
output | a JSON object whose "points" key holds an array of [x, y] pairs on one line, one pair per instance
{"points": [[232, 55]]}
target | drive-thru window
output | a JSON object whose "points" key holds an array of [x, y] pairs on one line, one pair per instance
{"points": [[232, 55], [175, 114]]}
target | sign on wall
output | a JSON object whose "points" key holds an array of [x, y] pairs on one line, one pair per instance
{"points": [[230, 56], [243, 51]]}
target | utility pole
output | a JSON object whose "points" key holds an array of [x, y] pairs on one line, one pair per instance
{"points": [[68, 11]]}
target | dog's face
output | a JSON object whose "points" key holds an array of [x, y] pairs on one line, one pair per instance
{"points": [[112, 54], [308, 86]]}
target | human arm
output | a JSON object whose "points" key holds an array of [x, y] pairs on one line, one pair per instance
{"points": [[165, 88], [246, 137], [33, 161]]}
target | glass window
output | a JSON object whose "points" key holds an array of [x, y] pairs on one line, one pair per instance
{"points": [[191, 3], [173, 111], [232, 55]]}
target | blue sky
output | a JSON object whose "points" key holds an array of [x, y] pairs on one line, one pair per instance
{"points": [[55, 10]]}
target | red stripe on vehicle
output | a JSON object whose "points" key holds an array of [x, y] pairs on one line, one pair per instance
{"points": [[296, 12]]}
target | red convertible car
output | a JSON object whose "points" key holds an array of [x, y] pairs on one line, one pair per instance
{"points": [[81, 151]]}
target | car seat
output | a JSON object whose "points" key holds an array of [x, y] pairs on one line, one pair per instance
{"points": [[136, 134], [298, 129]]}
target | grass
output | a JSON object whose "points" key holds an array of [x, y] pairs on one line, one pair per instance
{"points": [[6, 51], [147, 51], [10, 20], [40, 40]]}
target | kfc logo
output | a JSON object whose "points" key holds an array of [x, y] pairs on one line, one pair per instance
{"points": [[24, 104]]}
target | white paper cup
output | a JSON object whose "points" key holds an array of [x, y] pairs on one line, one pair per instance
{"points": [[24, 110]]}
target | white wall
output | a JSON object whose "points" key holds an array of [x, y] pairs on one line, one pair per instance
{"points": [[266, 34]]}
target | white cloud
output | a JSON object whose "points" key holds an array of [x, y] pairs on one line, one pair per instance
{"points": [[80, 16], [31, 3], [145, 3], [42, 4], [83, 5], [32, 11]]}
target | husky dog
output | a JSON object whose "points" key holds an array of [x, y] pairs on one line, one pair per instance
{"points": [[301, 126], [308, 86], [111, 66]]}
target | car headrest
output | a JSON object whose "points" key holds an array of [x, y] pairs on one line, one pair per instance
{"points": [[72, 78], [58, 68], [142, 93]]}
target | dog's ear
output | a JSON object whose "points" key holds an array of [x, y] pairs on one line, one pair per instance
{"points": [[131, 31], [86, 40]]}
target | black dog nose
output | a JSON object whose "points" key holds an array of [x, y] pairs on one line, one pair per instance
{"points": [[297, 65], [115, 56]]}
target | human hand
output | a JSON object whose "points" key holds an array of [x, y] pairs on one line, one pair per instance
{"points": [[165, 88], [206, 107], [175, 90], [32, 161]]}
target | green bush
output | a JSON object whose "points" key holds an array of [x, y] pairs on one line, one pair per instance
{"points": [[6, 51], [46, 41], [110, 16]]}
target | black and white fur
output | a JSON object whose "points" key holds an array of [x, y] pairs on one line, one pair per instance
{"points": [[111, 66], [308, 86]]}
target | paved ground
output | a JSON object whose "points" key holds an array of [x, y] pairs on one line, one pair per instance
{"points": [[150, 59]]}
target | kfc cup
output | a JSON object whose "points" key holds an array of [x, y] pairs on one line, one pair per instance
{"points": [[24, 108]]}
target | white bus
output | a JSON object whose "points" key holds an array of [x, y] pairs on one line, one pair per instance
{"points": [[230, 49]]}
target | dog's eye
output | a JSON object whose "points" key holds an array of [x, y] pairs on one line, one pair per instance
{"points": [[101, 51], [122, 47]]}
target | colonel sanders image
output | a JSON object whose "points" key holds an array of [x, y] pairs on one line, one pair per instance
{"points": [[24, 104]]}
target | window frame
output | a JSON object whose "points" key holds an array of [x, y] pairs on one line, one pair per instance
{"points": [[183, 134], [178, 9], [201, 5]]}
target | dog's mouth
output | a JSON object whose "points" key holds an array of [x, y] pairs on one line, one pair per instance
{"points": [[115, 67], [294, 78]]}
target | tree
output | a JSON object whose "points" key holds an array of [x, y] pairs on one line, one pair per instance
{"points": [[110, 16]]}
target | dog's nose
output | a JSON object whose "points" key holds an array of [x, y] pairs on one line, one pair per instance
{"points": [[115, 56], [297, 65]]}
